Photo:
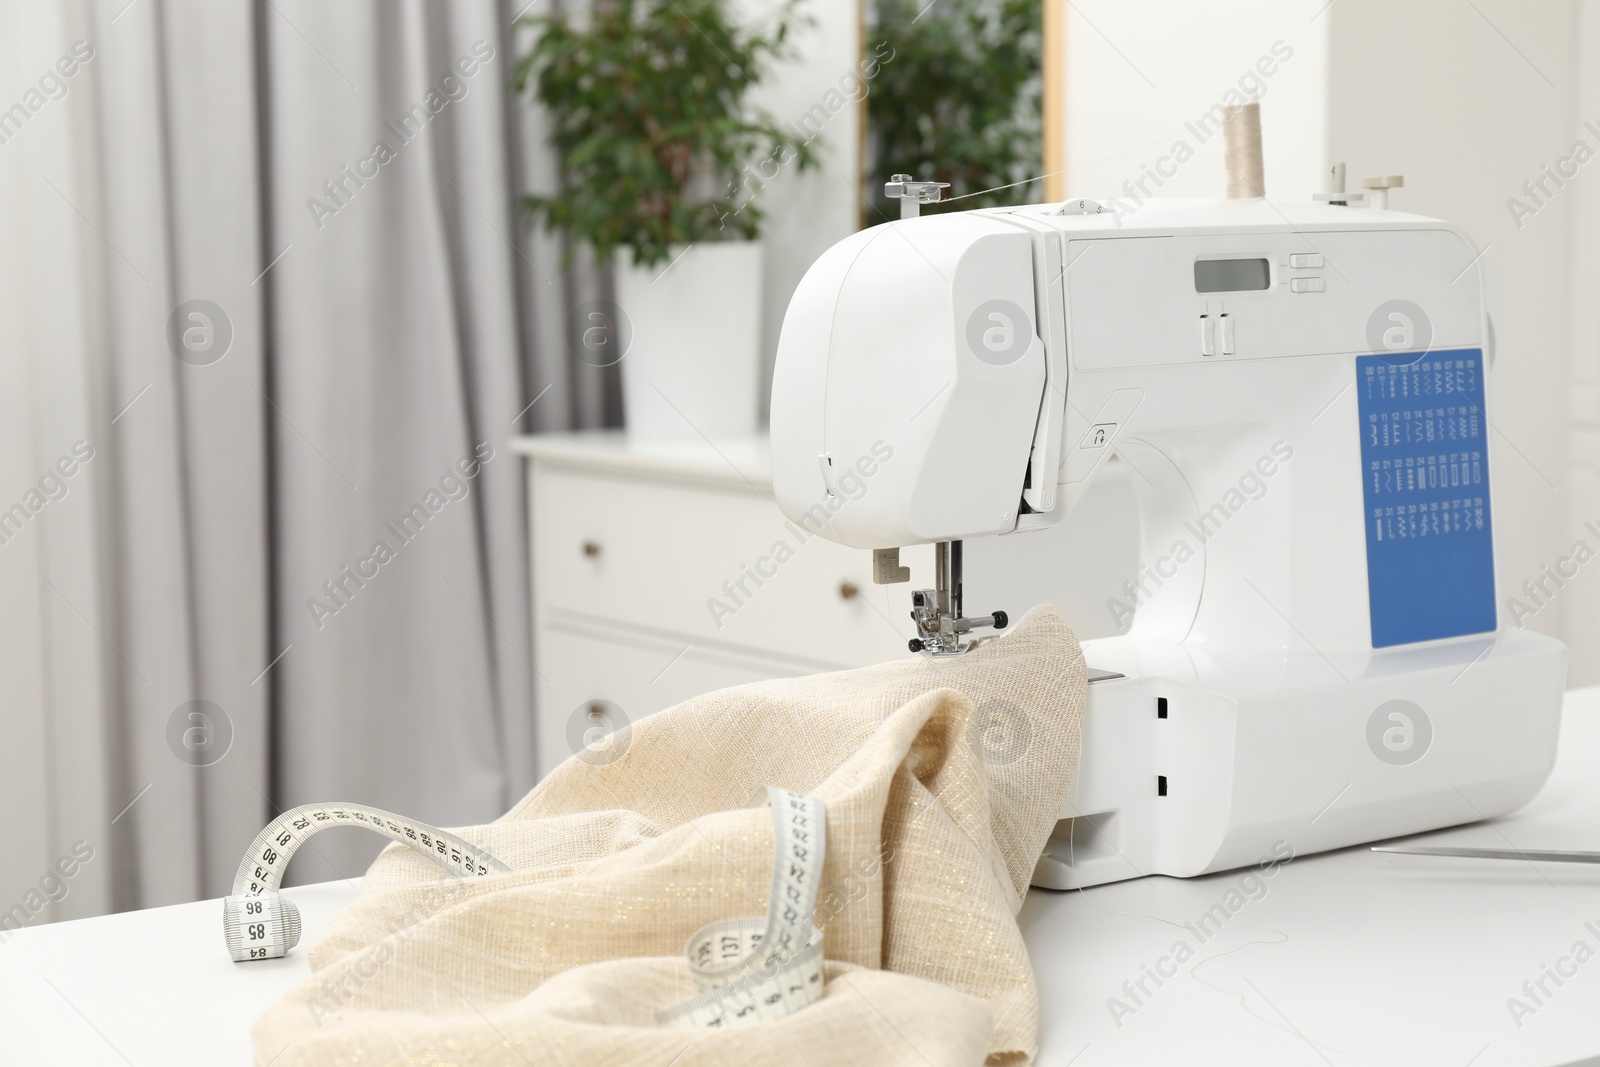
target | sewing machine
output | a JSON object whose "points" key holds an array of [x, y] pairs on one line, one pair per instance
{"points": [[1297, 393]]}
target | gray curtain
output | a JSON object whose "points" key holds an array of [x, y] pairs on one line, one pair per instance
{"points": [[319, 534], [187, 527], [398, 314]]}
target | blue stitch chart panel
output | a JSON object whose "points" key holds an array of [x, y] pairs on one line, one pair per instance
{"points": [[1425, 466]]}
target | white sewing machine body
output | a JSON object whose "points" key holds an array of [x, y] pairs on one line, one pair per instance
{"points": [[1311, 461]]}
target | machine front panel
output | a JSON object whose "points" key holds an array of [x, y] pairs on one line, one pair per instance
{"points": [[1425, 470]]}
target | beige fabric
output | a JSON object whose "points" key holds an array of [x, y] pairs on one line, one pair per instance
{"points": [[942, 781]]}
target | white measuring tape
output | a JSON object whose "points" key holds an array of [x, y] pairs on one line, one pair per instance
{"points": [[748, 970], [752, 970], [260, 925]]}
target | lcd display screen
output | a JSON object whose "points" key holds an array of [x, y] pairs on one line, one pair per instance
{"points": [[1230, 275]]}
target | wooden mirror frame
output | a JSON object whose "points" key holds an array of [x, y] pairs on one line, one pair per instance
{"points": [[1053, 105]]}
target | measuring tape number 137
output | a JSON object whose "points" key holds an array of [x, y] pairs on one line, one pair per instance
{"points": [[752, 970]]}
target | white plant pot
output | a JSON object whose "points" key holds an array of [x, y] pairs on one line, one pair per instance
{"points": [[693, 359]]}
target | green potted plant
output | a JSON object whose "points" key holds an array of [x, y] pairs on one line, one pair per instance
{"points": [[662, 160], [961, 102]]}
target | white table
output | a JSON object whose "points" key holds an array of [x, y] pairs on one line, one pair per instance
{"points": [[145, 988], [1346, 958]]}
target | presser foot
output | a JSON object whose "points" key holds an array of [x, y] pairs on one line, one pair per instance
{"points": [[941, 632]]}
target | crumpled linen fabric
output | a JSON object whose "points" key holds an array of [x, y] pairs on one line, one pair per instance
{"points": [[942, 781]]}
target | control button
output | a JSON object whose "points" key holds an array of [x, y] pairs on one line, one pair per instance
{"points": [[1099, 435], [1206, 347], [1225, 333], [1302, 260], [1307, 285]]}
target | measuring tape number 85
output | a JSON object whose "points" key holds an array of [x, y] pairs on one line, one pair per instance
{"points": [[259, 924], [748, 970]]}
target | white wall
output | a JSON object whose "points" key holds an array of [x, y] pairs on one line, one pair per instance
{"points": [[1138, 75], [1468, 101], [1582, 604]]}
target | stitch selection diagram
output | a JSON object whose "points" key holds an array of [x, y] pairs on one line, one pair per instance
{"points": [[1424, 457]]}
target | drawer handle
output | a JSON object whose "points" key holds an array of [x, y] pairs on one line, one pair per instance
{"points": [[591, 548], [848, 591]]}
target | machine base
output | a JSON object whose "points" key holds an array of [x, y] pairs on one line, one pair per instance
{"points": [[1202, 760]]}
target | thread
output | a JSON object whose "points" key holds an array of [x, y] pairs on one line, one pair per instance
{"points": [[1241, 131]]}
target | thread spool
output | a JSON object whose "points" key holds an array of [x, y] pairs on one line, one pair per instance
{"points": [[1241, 133]]}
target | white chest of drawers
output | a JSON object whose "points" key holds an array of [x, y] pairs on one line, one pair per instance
{"points": [[664, 571]]}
